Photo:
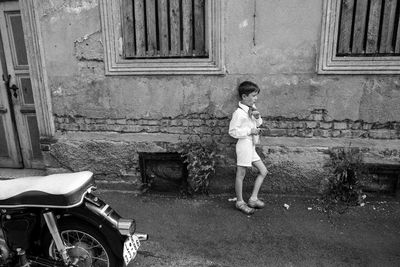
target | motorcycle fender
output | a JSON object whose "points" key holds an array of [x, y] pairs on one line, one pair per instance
{"points": [[109, 232]]}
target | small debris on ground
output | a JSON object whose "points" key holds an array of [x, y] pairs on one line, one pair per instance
{"points": [[232, 199], [286, 206], [309, 208]]}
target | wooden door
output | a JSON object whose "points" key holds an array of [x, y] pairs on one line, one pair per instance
{"points": [[20, 129]]}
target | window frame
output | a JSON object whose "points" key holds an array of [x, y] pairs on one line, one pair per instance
{"points": [[115, 64], [329, 63]]}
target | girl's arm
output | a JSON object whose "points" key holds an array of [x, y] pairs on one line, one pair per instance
{"points": [[236, 129], [259, 121]]}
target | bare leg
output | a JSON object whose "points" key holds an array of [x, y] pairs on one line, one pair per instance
{"points": [[240, 173], [260, 178]]}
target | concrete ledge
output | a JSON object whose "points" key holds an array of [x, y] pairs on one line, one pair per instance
{"points": [[18, 173]]}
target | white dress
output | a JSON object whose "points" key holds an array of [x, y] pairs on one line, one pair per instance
{"points": [[240, 128]]}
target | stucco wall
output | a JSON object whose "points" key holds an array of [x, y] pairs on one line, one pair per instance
{"points": [[277, 49]]}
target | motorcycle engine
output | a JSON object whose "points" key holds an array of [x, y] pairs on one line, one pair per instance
{"points": [[17, 228], [4, 251]]}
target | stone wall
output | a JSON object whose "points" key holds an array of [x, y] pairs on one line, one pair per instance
{"points": [[103, 122], [317, 124], [294, 149]]}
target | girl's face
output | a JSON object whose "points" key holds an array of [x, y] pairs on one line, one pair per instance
{"points": [[249, 100]]}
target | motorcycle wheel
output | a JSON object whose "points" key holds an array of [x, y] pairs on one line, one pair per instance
{"points": [[87, 247]]}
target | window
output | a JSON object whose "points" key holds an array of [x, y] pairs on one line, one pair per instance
{"points": [[360, 37], [144, 37]]}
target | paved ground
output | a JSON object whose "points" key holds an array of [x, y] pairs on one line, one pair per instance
{"points": [[208, 231]]}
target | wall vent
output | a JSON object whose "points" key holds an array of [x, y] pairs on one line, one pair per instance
{"points": [[163, 172]]}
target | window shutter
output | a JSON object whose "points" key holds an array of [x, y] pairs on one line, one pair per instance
{"points": [[199, 26], [373, 26], [164, 28], [369, 28]]}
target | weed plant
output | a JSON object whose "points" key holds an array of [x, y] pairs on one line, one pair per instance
{"points": [[342, 187]]}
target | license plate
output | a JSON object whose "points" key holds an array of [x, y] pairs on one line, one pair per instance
{"points": [[131, 246]]}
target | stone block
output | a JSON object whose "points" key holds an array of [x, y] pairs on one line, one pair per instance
{"points": [[152, 122], [205, 116], [308, 133], [366, 126], [196, 122], [283, 124], [325, 125], [317, 132], [356, 125], [292, 132], [79, 120], [99, 121], [318, 117], [268, 124], [305, 133], [335, 133], [340, 125], [212, 123], [345, 133], [70, 127], [175, 123], [359, 134], [224, 123], [175, 130], [325, 133], [277, 132], [382, 134], [299, 124], [202, 130], [311, 124], [59, 119], [163, 122], [121, 121], [132, 129]]}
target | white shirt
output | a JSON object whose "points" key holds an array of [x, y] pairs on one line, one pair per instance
{"points": [[241, 124]]}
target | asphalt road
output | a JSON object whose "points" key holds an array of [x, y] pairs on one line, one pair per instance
{"points": [[208, 231]]}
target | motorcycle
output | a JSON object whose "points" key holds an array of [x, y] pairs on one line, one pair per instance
{"points": [[56, 220]]}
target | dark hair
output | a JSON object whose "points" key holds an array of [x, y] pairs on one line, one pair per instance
{"points": [[247, 87]]}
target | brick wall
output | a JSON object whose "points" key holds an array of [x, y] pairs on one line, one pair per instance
{"points": [[203, 124], [293, 149]]}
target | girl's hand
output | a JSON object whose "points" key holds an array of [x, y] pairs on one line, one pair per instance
{"points": [[254, 131], [256, 114]]}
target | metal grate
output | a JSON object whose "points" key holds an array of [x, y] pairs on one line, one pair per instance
{"points": [[382, 180], [163, 172]]}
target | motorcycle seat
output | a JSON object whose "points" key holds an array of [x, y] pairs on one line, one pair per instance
{"points": [[56, 190]]}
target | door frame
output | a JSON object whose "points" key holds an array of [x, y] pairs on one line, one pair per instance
{"points": [[37, 69]]}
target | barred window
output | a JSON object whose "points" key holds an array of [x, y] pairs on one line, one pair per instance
{"points": [[162, 37], [360, 36], [368, 28], [164, 28]]}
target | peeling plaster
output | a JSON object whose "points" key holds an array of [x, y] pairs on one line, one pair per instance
{"points": [[58, 91], [89, 47], [83, 6], [52, 7], [243, 24]]}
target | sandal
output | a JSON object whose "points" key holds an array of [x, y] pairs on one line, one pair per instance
{"points": [[242, 206], [257, 204]]}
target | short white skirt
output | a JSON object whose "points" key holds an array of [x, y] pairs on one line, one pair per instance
{"points": [[246, 153]]}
